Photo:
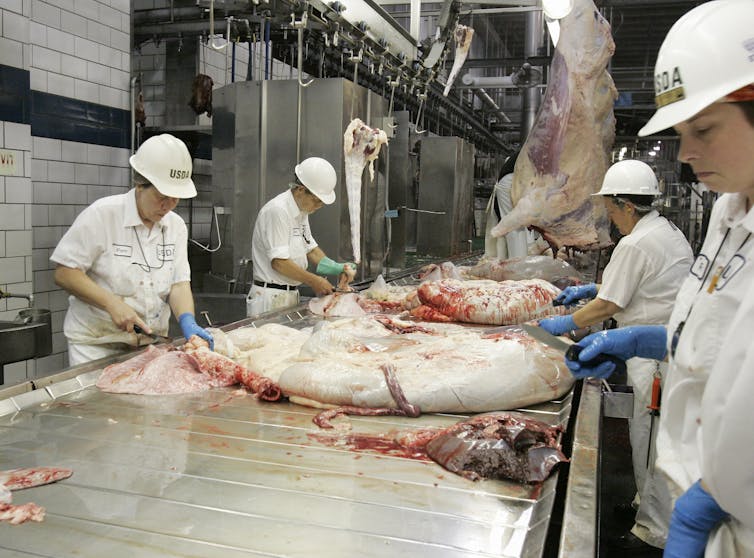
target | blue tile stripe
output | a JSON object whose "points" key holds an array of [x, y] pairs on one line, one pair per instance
{"points": [[64, 118], [58, 117]]}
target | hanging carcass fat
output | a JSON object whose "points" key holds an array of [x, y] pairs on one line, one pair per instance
{"points": [[462, 35], [361, 145], [566, 153]]}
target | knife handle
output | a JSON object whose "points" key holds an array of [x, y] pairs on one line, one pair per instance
{"points": [[137, 329], [573, 354]]}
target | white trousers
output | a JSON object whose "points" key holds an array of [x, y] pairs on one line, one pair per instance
{"points": [[265, 299], [655, 503]]}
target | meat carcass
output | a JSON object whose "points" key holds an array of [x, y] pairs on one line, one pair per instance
{"points": [[566, 154], [462, 35], [201, 94], [361, 145], [486, 302], [439, 367], [498, 446]]}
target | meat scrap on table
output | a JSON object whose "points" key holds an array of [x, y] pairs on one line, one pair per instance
{"points": [[18, 479]]}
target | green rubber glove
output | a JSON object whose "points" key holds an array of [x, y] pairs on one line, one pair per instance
{"points": [[326, 266]]}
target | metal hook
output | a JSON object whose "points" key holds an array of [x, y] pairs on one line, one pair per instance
{"points": [[421, 96], [301, 59]]}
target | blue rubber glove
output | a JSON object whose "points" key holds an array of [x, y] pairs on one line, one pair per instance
{"points": [[695, 514], [326, 266], [189, 327], [558, 325], [624, 342], [571, 295]]}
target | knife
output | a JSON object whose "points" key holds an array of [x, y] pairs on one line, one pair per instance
{"points": [[571, 351], [158, 338]]}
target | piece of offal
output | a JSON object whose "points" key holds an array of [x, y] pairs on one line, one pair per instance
{"points": [[566, 154], [361, 145], [462, 35]]}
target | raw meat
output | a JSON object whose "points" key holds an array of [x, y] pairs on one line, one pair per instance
{"points": [[462, 35], [140, 115], [516, 269], [378, 298], [361, 145], [157, 371], [18, 479], [566, 154], [498, 446], [258, 348], [15, 515], [486, 302], [201, 94], [440, 367]]}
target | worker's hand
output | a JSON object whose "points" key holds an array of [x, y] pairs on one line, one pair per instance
{"points": [[189, 327], [695, 514], [558, 325], [571, 295], [326, 266], [625, 343], [321, 286], [124, 316]]}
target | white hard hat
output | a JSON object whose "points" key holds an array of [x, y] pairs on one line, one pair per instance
{"points": [[629, 177], [706, 55], [164, 160], [319, 176]]}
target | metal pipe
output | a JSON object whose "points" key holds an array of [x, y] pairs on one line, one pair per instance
{"points": [[493, 82], [267, 49], [489, 100]]}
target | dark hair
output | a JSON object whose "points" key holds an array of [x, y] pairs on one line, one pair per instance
{"points": [[748, 108], [642, 204], [509, 164], [140, 180]]}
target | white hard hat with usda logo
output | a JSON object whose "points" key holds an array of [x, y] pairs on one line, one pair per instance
{"points": [[164, 160], [319, 176], [629, 177], [706, 55]]}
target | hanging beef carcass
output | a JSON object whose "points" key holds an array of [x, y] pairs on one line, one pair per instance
{"points": [[201, 94], [439, 367], [565, 155], [462, 35], [361, 145], [140, 115]]}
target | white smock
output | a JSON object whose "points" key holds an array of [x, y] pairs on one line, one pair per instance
{"points": [[515, 244], [109, 242], [708, 308], [282, 232], [727, 451], [643, 276]]}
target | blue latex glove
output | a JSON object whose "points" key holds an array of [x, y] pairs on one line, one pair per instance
{"points": [[571, 295], [558, 325], [624, 342], [695, 514], [189, 327]]}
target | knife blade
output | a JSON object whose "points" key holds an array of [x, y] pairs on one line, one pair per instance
{"points": [[571, 351], [158, 338]]}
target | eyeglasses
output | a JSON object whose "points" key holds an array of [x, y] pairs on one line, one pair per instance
{"points": [[145, 266], [676, 337]]}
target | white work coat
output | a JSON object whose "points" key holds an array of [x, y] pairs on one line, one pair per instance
{"points": [[109, 242], [718, 285], [281, 231], [515, 244], [643, 276], [727, 448]]}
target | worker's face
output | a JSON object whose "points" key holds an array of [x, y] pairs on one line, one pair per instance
{"points": [[152, 205], [307, 202], [621, 214], [718, 143]]}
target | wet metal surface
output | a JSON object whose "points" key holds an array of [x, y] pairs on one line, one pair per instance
{"points": [[220, 474]]}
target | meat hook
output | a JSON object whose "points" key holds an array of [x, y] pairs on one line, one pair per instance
{"points": [[422, 97], [300, 24]]}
